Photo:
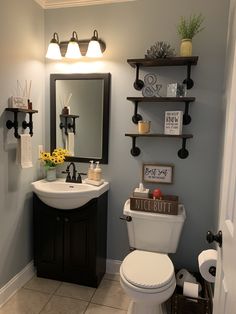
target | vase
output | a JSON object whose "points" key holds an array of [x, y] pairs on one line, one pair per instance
{"points": [[186, 48], [51, 174]]}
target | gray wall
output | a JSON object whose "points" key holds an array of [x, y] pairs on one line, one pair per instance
{"points": [[22, 57], [129, 29]]}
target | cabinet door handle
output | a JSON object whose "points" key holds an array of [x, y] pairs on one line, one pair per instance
{"points": [[58, 218], [67, 220]]}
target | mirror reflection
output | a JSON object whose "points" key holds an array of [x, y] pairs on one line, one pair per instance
{"points": [[84, 129]]}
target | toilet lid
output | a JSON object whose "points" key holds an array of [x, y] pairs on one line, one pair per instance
{"points": [[147, 269]]}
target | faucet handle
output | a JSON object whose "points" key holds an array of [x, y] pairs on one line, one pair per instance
{"points": [[79, 180]]}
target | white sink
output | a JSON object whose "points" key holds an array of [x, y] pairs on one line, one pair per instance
{"points": [[65, 195]]}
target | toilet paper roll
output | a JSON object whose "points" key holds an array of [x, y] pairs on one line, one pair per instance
{"points": [[207, 261], [182, 276], [190, 289]]}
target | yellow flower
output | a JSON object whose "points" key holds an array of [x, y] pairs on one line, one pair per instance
{"points": [[57, 157], [44, 156]]}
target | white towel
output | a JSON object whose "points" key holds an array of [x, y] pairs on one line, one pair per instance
{"points": [[70, 143], [25, 151]]}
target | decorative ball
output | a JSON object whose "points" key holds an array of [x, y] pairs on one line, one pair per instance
{"points": [[157, 194]]}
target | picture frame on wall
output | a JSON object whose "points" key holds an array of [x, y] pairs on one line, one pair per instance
{"points": [[157, 173]]}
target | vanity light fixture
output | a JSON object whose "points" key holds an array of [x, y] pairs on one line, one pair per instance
{"points": [[94, 48], [76, 48], [54, 51], [73, 50]]}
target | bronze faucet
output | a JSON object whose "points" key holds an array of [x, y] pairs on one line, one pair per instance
{"points": [[72, 178]]}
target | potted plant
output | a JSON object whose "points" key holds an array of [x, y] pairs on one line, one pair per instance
{"points": [[50, 161], [187, 29]]}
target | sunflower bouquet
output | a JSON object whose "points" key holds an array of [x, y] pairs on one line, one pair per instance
{"points": [[52, 160]]}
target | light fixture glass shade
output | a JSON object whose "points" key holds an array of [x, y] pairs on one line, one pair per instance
{"points": [[54, 51], [94, 48], [73, 50]]}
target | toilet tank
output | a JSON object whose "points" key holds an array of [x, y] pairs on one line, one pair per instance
{"points": [[154, 232]]}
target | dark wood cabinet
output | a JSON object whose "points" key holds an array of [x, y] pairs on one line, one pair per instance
{"points": [[70, 245]]}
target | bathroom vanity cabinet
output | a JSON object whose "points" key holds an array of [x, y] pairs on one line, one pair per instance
{"points": [[70, 245]]}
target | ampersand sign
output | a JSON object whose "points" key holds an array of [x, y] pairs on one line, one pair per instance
{"points": [[151, 88]]}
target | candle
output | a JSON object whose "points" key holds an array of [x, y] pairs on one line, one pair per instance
{"points": [[144, 126]]}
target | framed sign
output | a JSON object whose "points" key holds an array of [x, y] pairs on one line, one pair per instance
{"points": [[156, 173]]}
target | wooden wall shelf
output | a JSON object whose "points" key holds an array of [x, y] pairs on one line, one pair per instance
{"points": [[68, 124], [182, 153], [139, 84], [169, 61], [173, 61], [136, 100], [14, 124]]}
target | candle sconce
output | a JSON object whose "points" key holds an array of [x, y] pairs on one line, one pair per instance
{"points": [[69, 122]]}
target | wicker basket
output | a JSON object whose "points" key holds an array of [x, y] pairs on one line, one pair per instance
{"points": [[181, 304]]}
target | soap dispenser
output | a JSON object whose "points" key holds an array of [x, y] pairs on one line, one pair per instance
{"points": [[91, 171], [97, 172]]}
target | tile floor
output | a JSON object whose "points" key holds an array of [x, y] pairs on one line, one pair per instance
{"points": [[44, 296]]}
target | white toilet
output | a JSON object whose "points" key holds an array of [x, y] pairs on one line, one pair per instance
{"points": [[147, 273]]}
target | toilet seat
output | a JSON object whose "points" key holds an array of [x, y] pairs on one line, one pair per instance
{"points": [[148, 271]]}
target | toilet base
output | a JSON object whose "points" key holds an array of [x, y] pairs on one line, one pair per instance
{"points": [[144, 308]]}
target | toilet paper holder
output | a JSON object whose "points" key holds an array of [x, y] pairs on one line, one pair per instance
{"points": [[214, 237]]}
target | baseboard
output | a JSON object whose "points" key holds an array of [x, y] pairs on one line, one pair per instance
{"points": [[113, 266], [18, 281]]}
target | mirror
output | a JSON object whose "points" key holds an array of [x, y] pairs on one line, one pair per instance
{"points": [[88, 97]]}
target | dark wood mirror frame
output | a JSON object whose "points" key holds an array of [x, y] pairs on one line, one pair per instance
{"points": [[106, 77]]}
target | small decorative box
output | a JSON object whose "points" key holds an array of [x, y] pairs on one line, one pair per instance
{"points": [[176, 90], [18, 102]]}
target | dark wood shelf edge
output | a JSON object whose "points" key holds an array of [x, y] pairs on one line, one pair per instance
{"points": [[158, 135], [162, 99], [21, 110], [171, 61], [69, 115]]}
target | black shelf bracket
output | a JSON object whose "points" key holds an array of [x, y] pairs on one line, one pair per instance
{"points": [[68, 124], [188, 81], [138, 84], [13, 124], [29, 124], [183, 152], [135, 151], [186, 117], [136, 117]]}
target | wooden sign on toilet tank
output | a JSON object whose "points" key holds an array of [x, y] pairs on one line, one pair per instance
{"points": [[167, 206]]}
